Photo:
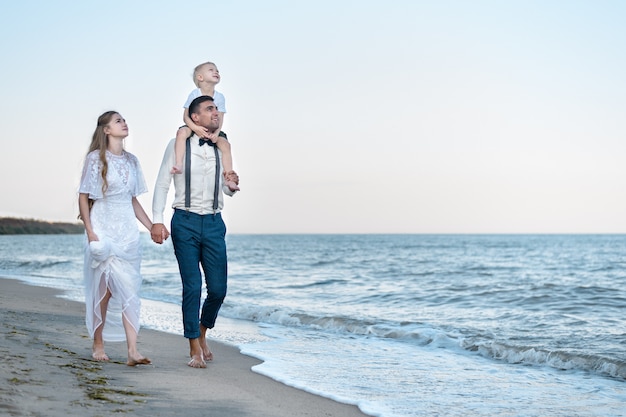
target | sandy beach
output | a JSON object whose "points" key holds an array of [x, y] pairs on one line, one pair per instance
{"points": [[46, 370]]}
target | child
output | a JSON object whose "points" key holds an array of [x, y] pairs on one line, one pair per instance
{"points": [[205, 77]]}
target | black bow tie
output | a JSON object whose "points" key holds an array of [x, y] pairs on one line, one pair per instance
{"points": [[205, 141]]}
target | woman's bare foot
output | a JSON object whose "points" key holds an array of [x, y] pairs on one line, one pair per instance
{"points": [[97, 352], [137, 359]]}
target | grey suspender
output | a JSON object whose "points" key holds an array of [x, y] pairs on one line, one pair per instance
{"points": [[188, 175]]}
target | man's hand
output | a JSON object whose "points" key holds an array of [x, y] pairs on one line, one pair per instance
{"points": [[159, 233]]}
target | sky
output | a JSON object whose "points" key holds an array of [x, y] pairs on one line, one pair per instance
{"points": [[406, 116]]}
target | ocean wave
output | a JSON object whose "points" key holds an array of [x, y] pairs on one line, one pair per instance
{"points": [[423, 334], [31, 265], [315, 284], [326, 262], [335, 324], [562, 360]]}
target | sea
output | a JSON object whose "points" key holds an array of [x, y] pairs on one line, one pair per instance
{"points": [[402, 325]]}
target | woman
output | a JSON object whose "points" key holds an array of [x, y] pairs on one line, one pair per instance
{"points": [[108, 206]]}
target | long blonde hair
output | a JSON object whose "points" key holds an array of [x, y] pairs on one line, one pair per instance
{"points": [[100, 142]]}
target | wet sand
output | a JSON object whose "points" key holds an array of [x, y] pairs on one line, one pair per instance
{"points": [[46, 370]]}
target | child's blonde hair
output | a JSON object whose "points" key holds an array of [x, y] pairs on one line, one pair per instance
{"points": [[197, 69]]}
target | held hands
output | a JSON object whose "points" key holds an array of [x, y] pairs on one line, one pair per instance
{"points": [[203, 132], [212, 137], [159, 233], [232, 176]]}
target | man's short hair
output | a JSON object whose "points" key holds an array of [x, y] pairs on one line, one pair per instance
{"points": [[195, 104]]}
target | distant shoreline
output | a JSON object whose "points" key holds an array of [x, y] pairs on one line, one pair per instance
{"points": [[17, 226]]}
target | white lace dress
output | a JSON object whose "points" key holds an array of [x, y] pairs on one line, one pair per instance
{"points": [[115, 259]]}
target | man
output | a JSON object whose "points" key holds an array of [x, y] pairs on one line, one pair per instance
{"points": [[197, 228]]}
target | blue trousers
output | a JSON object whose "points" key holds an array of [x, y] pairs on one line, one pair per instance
{"points": [[199, 240]]}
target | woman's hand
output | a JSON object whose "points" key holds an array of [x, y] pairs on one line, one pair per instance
{"points": [[92, 237], [159, 233]]}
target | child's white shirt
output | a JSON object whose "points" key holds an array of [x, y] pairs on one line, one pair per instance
{"points": [[218, 99]]}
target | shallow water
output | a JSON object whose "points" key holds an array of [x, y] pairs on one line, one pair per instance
{"points": [[403, 325]]}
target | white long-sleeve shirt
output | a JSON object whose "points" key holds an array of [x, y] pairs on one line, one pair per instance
{"points": [[202, 182]]}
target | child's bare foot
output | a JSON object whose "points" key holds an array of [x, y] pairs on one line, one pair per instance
{"points": [[232, 185], [176, 169]]}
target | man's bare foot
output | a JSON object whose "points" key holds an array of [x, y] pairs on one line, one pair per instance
{"points": [[137, 359], [176, 169], [197, 362], [207, 355], [98, 353]]}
